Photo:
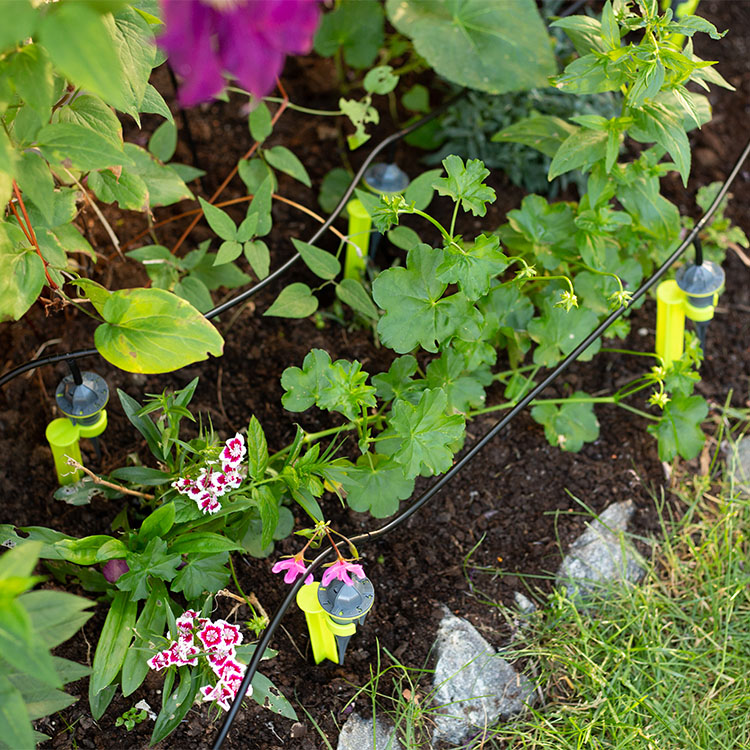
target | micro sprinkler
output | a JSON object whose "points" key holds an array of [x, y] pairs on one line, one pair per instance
{"points": [[333, 612], [380, 179], [693, 293], [81, 397]]}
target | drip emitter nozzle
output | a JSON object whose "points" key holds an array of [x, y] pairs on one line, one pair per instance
{"points": [[332, 613], [81, 397], [388, 179], [693, 294]]}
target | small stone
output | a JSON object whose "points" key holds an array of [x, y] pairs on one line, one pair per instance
{"points": [[298, 730], [524, 604], [473, 683], [601, 553], [357, 734], [739, 464]]}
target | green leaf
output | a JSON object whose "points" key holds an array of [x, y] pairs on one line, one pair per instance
{"points": [[176, 706], [545, 133], [478, 43], [333, 187], [155, 561], [376, 485], [158, 523], [610, 30], [142, 423], [204, 543], [228, 251], [194, 291], [303, 386], [153, 103], [219, 221], [266, 694], [259, 257], [417, 99], [259, 122], [360, 113], [128, 190], [213, 277], [164, 185], [415, 312], [465, 390], [397, 382], [357, 27], [247, 228], [80, 44], [578, 151], [421, 190], [380, 80], [584, 31], [559, 332], [149, 627], [426, 433], [679, 429], [268, 507], [466, 184], [99, 702], [78, 147], [21, 648], [55, 615], [16, 27], [294, 301], [36, 182], [261, 205], [151, 330], [352, 293], [91, 112], [568, 425], [21, 274], [257, 450], [33, 77], [133, 42], [657, 122], [281, 158], [321, 263], [403, 238], [474, 266], [114, 640], [15, 727], [253, 172], [202, 574], [163, 141]]}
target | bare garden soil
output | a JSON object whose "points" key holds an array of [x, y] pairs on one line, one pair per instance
{"points": [[500, 527]]}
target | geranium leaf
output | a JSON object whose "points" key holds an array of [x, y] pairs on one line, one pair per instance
{"points": [[558, 332], [376, 485], [473, 266], [568, 425], [466, 184], [679, 429]]}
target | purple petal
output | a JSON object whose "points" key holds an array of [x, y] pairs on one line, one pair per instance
{"points": [[113, 569]]}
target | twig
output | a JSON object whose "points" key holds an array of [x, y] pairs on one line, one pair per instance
{"points": [[107, 227], [98, 480]]}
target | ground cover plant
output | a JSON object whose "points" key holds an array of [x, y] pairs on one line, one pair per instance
{"points": [[457, 305]]}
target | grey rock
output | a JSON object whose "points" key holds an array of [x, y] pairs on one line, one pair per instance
{"points": [[357, 734], [524, 604], [601, 553], [739, 464], [474, 686]]}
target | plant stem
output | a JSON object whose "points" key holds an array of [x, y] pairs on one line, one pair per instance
{"points": [[98, 480]]}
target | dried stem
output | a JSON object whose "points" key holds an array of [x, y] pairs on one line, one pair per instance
{"points": [[98, 480]]}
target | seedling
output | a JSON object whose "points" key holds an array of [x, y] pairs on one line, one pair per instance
{"points": [[81, 397], [332, 613]]}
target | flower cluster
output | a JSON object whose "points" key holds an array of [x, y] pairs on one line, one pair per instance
{"points": [[211, 483], [296, 566], [247, 38], [200, 637]]}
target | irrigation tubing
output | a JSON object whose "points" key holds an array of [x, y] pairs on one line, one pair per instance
{"points": [[428, 494], [69, 356]]}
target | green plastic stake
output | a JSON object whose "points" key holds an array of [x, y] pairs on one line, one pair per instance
{"points": [[670, 321], [63, 436], [322, 637], [360, 225]]}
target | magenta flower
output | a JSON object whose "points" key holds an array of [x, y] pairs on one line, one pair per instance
{"points": [[341, 569], [247, 38], [294, 566]]}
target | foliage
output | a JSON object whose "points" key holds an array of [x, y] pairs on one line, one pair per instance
{"points": [[33, 622]]}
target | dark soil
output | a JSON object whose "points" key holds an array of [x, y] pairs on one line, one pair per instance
{"points": [[499, 527]]}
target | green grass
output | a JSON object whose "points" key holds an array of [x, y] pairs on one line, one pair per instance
{"points": [[660, 666]]}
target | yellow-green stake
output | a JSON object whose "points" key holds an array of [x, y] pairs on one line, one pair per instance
{"points": [[357, 248], [323, 630], [63, 436]]}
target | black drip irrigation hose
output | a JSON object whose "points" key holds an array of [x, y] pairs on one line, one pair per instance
{"points": [[428, 494], [281, 270]]}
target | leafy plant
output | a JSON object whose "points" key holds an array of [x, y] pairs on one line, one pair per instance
{"points": [[33, 622]]}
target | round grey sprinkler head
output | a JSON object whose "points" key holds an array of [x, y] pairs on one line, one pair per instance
{"points": [[347, 602], [700, 282], [82, 402], [386, 178]]}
